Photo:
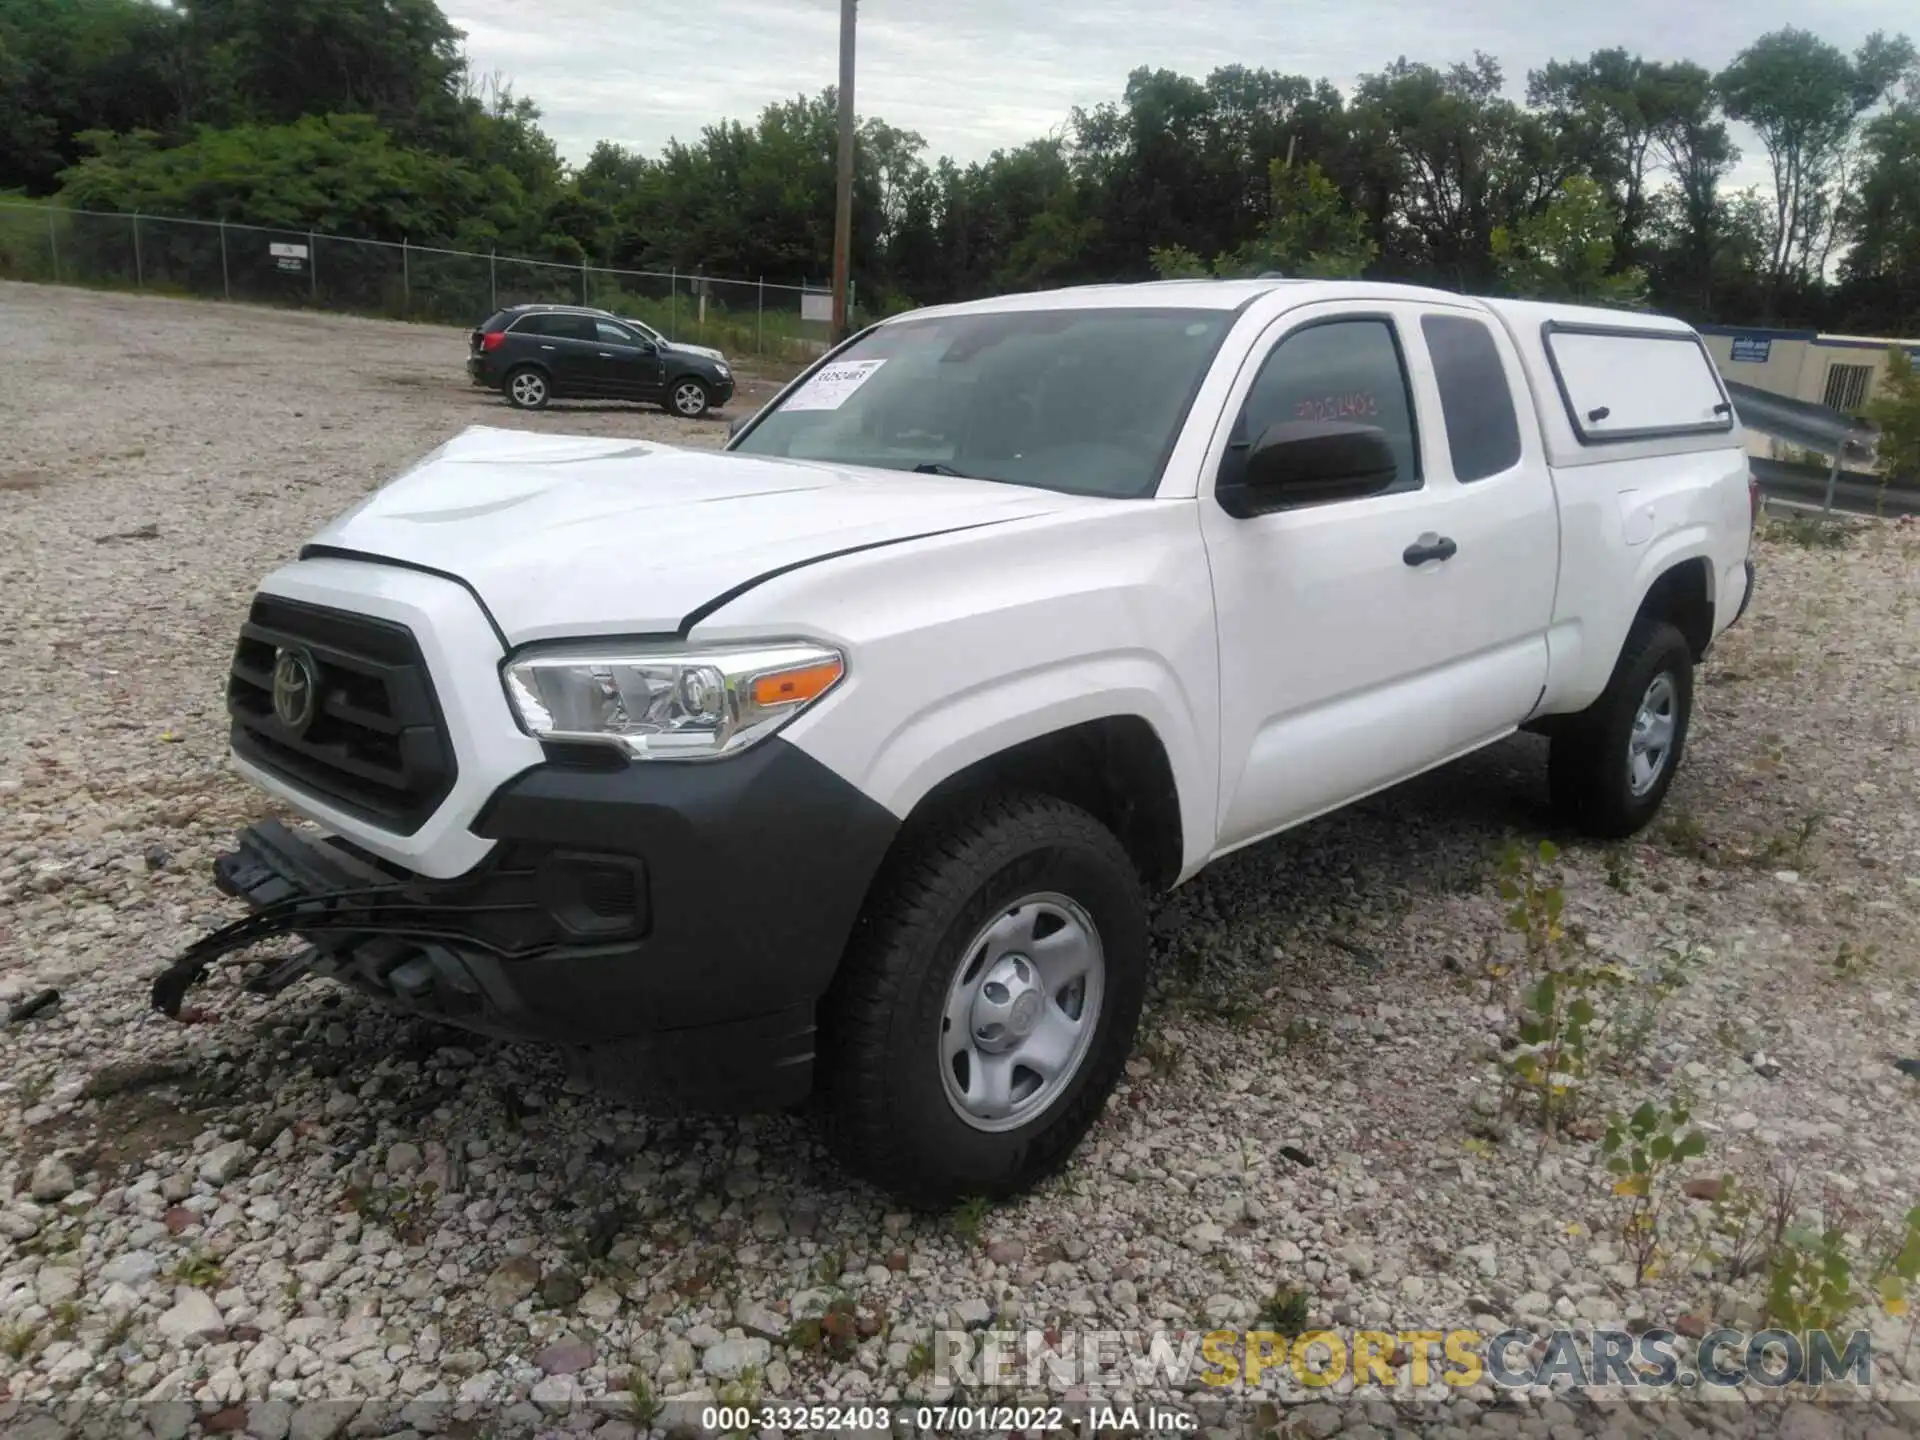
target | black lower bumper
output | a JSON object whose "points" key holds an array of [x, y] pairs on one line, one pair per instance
{"points": [[671, 926]]}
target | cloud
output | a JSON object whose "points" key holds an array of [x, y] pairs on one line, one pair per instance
{"points": [[974, 75]]}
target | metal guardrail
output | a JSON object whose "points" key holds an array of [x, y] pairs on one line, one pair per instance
{"points": [[1802, 422], [1851, 492], [1818, 428]]}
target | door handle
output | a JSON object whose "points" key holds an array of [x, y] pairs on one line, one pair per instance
{"points": [[546, 347], [1429, 547], [606, 354]]}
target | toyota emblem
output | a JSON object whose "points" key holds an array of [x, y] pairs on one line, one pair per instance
{"points": [[296, 689]]}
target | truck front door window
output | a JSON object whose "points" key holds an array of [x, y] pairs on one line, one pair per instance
{"points": [[1340, 370]]}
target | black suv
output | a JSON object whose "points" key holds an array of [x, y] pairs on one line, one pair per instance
{"points": [[534, 354]]}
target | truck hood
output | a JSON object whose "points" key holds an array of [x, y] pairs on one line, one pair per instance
{"points": [[569, 535]]}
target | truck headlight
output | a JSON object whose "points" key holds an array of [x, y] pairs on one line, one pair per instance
{"points": [[666, 704]]}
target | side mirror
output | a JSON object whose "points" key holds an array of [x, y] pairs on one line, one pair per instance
{"points": [[1306, 462]]}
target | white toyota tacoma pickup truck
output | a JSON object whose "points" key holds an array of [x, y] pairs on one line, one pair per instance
{"points": [[843, 760]]}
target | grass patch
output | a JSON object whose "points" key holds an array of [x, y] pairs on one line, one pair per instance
{"points": [[1686, 836], [17, 1342], [1810, 532], [969, 1218], [1285, 1311], [644, 1408], [202, 1272], [1788, 849]]}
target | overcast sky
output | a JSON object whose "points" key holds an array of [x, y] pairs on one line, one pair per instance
{"points": [[974, 75]]}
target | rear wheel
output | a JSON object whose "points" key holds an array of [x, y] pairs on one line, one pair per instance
{"points": [[527, 388], [688, 398], [988, 1002], [1611, 765]]}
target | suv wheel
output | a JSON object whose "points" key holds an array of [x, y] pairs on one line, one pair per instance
{"points": [[527, 388], [987, 1003], [688, 399], [1611, 765]]}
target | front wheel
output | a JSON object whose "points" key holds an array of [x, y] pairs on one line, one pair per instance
{"points": [[1610, 766], [987, 1004], [688, 399]]}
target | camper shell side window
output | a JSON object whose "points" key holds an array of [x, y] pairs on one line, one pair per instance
{"points": [[1621, 383]]}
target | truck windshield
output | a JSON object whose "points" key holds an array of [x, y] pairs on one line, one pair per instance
{"points": [[1086, 400]]}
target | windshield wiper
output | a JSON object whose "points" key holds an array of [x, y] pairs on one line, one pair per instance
{"points": [[936, 467]]}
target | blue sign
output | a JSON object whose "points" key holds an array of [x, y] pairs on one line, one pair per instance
{"points": [[1752, 348]]}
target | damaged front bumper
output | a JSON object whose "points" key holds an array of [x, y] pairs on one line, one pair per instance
{"points": [[671, 927], [548, 948], [426, 945]]}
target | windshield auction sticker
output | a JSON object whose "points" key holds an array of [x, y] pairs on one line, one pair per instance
{"points": [[830, 387]]}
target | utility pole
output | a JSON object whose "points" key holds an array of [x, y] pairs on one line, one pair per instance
{"points": [[843, 199]]}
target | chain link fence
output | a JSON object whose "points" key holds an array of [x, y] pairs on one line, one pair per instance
{"points": [[263, 265]]}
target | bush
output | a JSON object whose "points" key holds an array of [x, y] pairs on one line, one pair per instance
{"points": [[1896, 410]]}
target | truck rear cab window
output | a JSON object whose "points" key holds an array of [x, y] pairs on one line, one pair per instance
{"points": [[1347, 370], [1625, 384], [1476, 396]]}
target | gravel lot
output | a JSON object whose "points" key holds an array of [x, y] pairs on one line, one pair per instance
{"points": [[304, 1215]]}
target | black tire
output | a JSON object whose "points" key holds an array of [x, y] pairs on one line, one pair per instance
{"points": [[689, 398], [521, 390], [1588, 762], [888, 1115]]}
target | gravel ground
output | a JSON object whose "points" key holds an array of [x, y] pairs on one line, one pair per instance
{"points": [[307, 1216]]}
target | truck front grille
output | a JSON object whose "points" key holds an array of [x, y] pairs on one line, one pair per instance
{"points": [[371, 740]]}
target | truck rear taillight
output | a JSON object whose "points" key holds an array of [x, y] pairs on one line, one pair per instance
{"points": [[493, 339]]}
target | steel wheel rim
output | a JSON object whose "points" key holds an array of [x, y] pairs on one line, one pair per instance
{"points": [[1650, 743], [529, 389], [1021, 1012], [689, 398]]}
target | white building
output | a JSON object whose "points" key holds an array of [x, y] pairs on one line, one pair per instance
{"points": [[1841, 372]]}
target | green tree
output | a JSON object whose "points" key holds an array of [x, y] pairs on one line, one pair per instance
{"points": [[1181, 162], [1805, 98], [1883, 266], [1458, 161], [1566, 252], [1312, 232], [341, 174], [1895, 408], [68, 66], [216, 107], [1607, 110], [1625, 120], [1176, 262], [1697, 153], [277, 60]]}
